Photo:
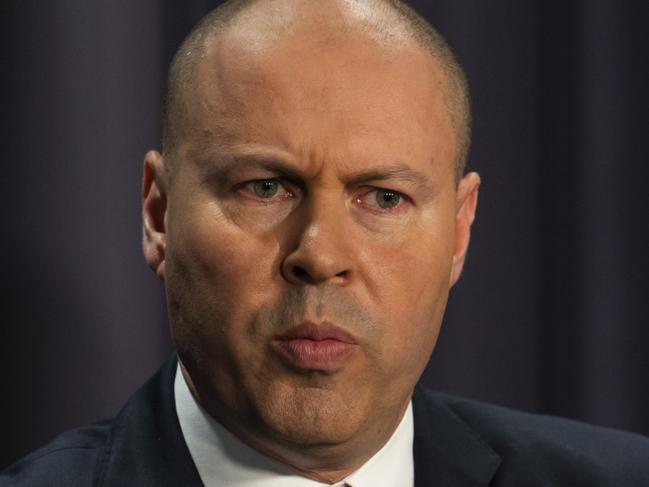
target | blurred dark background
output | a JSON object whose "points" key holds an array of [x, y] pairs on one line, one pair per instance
{"points": [[552, 313]]}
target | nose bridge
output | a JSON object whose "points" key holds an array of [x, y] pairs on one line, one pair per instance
{"points": [[321, 250], [325, 217]]}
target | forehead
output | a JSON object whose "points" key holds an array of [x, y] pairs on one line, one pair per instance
{"points": [[313, 91]]}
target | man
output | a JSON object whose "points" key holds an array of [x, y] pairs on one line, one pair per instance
{"points": [[308, 215]]}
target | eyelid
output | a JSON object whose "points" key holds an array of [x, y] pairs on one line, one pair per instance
{"points": [[368, 189]]}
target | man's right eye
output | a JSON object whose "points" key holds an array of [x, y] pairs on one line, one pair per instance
{"points": [[267, 189]]}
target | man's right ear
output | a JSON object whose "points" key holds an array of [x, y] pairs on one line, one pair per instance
{"points": [[154, 210]]}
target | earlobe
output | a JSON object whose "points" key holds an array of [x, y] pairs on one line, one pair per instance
{"points": [[154, 209], [466, 204]]}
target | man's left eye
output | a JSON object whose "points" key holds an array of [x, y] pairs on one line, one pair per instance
{"points": [[385, 199]]}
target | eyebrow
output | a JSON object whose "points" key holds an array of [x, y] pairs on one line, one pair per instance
{"points": [[223, 165], [392, 172]]}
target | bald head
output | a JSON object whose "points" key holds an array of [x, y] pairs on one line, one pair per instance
{"points": [[259, 24]]}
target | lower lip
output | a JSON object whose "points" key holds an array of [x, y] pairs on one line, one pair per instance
{"points": [[306, 354]]}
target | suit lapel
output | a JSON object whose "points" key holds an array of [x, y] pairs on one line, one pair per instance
{"points": [[146, 445], [447, 453]]}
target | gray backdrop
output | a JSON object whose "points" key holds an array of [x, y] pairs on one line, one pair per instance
{"points": [[552, 313]]}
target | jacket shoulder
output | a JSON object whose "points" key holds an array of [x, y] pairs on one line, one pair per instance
{"points": [[550, 450], [71, 459]]}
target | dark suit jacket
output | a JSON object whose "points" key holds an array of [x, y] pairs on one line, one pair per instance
{"points": [[458, 443]]}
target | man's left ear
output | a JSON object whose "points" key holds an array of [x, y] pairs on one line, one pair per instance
{"points": [[466, 203]]}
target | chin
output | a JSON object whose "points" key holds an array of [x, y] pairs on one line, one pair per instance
{"points": [[310, 416]]}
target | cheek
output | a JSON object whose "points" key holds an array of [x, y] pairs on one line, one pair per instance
{"points": [[411, 291], [216, 278]]}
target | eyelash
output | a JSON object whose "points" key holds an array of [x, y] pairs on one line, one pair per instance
{"points": [[358, 198]]}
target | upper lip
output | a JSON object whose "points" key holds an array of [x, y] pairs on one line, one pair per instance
{"points": [[320, 331]]}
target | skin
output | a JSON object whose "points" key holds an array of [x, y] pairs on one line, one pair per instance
{"points": [[331, 122]]}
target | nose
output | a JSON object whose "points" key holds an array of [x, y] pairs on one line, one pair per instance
{"points": [[322, 251]]}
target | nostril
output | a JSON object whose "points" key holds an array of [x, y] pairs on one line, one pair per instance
{"points": [[301, 273]]}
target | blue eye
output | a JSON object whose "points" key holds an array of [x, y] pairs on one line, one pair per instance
{"points": [[387, 199], [264, 188], [383, 200]]}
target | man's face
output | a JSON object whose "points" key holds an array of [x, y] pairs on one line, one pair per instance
{"points": [[312, 235]]}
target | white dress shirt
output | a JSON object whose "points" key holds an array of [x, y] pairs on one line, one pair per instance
{"points": [[223, 460]]}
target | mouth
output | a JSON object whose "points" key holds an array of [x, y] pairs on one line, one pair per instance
{"points": [[315, 347]]}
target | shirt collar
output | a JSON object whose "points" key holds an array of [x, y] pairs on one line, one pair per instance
{"points": [[222, 459]]}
